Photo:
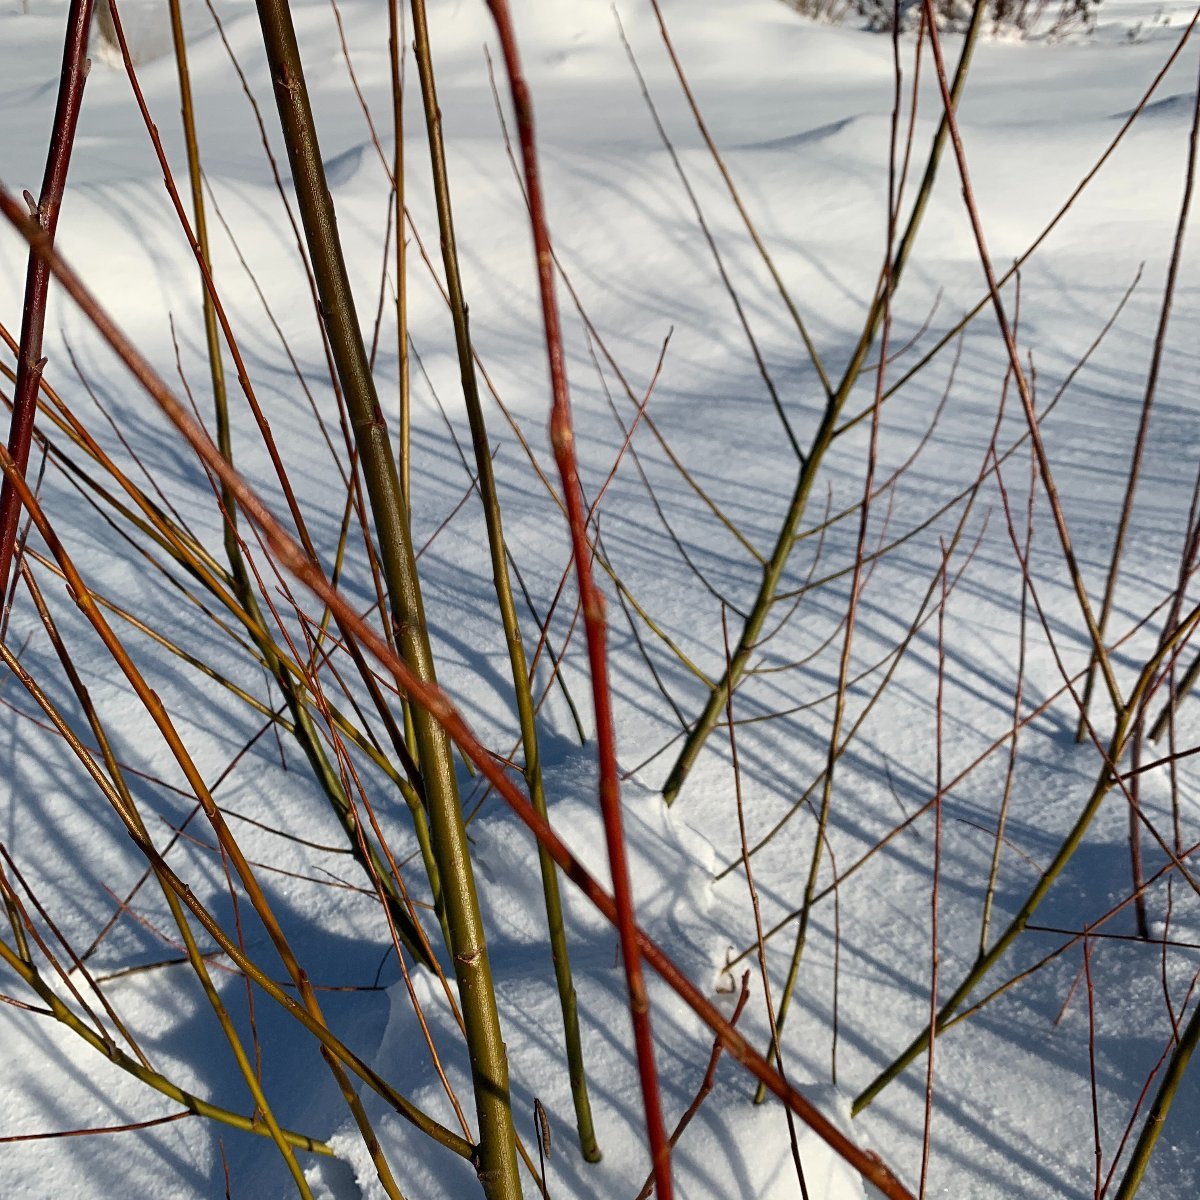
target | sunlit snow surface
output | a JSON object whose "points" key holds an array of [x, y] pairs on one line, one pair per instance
{"points": [[802, 113]]}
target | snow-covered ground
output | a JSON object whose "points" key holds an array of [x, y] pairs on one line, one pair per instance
{"points": [[802, 114]]}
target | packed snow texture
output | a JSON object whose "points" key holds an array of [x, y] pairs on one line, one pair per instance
{"points": [[802, 113]]}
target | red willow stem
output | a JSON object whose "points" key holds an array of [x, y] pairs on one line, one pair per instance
{"points": [[37, 279], [562, 437], [706, 1084], [292, 557]]}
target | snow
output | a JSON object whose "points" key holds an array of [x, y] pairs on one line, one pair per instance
{"points": [[801, 112]]}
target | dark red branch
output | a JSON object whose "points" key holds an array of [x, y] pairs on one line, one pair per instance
{"points": [[37, 280]]}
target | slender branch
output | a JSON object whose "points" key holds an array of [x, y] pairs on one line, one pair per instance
{"points": [[735, 196], [160, 1083], [194, 957], [1165, 1097], [45, 212]]}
